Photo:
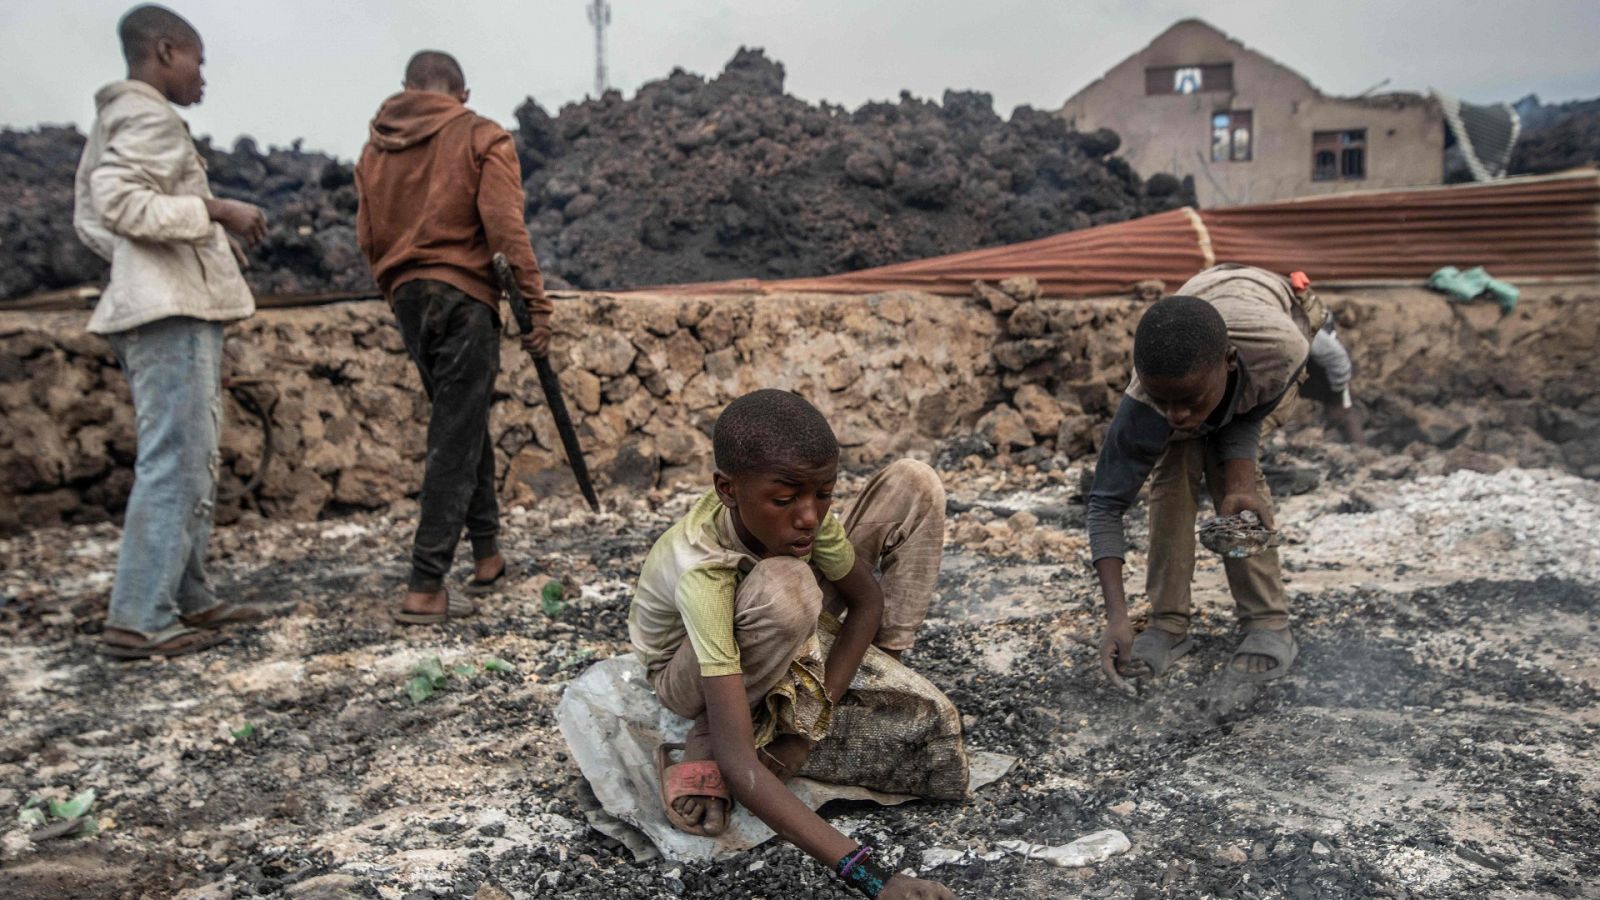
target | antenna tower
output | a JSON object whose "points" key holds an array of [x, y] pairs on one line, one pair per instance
{"points": [[599, 17]]}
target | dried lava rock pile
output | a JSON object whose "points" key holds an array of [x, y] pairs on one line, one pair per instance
{"points": [[732, 178], [691, 180], [1556, 137]]}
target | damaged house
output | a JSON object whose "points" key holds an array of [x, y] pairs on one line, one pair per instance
{"points": [[1249, 129]]}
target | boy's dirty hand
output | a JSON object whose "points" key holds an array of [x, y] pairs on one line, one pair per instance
{"points": [[904, 887], [537, 341], [243, 220], [1116, 654], [1233, 504]]}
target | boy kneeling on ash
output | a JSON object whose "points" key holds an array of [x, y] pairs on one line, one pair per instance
{"points": [[725, 620]]}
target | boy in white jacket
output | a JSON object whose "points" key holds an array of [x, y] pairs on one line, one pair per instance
{"points": [[143, 203]]}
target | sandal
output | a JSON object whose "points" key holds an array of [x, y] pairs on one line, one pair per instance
{"points": [[225, 614], [1153, 649], [174, 640], [455, 608], [700, 778], [1279, 646]]}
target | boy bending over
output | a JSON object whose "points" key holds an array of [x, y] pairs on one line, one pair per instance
{"points": [[1212, 365], [726, 613]]}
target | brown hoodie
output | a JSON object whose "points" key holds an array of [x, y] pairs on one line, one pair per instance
{"points": [[441, 193]]}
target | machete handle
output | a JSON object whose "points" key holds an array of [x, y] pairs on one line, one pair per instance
{"points": [[508, 286]]}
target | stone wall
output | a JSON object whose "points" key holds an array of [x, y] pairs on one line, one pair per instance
{"points": [[645, 377]]}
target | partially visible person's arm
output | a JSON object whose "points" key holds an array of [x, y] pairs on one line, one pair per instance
{"points": [[145, 147], [1137, 436], [500, 202], [764, 795], [863, 597], [1239, 445]]}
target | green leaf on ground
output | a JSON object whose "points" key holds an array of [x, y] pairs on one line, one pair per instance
{"points": [[244, 732], [574, 658], [73, 808], [32, 817], [464, 671], [419, 688], [431, 669], [550, 599], [496, 664]]}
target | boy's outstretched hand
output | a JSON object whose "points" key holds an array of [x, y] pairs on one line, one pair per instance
{"points": [[1233, 504], [904, 887]]}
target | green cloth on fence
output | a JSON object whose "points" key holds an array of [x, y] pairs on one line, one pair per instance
{"points": [[1473, 283]]}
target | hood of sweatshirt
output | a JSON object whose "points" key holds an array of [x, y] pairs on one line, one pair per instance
{"points": [[117, 88], [411, 117]]}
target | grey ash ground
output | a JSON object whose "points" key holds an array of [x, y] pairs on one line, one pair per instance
{"points": [[1437, 739]]}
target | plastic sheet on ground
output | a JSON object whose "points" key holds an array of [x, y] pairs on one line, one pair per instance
{"points": [[1085, 851], [612, 722]]}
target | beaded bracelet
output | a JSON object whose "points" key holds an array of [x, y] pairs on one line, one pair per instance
{"points": [[857, 870]]}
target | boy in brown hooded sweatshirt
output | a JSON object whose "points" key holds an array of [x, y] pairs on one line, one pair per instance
{"points": [[441, 193]]}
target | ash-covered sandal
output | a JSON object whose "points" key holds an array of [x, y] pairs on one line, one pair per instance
{"points": [[455, 608], [1154, 648], [1279, 646], [174, 640], [699, 778]]}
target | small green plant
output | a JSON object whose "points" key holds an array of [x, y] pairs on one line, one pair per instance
{"points": [[244, 732], [38, 813], [496, 664], [426, 677], [576, 657], [550, 599]]}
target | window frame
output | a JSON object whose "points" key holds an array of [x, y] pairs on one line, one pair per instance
{"points": [[1342, 146], [1237, 120], [1162, 81]]}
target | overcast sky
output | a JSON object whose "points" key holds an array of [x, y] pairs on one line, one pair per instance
{"points": [[317, 69]]}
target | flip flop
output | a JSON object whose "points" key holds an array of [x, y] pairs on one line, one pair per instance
{"points": [[174, 640], [700, 778], [477, 588], [225, 614], [455, 608], [1280, 646], [1152, 649]]}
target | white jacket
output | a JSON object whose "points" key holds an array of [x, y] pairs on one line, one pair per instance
{"points": [[140, 203]]}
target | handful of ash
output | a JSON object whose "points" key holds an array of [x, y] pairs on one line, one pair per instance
{"points": [[1237, 537]]}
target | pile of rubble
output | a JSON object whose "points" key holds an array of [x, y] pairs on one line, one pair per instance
{"points": [[689, 180]]}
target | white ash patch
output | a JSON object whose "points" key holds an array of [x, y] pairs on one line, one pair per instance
{"points": [[1515, 523]]}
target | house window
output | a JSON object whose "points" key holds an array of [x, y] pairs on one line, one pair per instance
{"points": [[1339, 155], [1188, 79], [1230, 136]]}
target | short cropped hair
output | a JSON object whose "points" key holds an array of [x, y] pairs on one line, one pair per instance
{"points": [[435, 69], [767, 429], [1179, 336], [145, 25]]}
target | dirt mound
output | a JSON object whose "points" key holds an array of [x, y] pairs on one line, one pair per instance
{"points": [[690, 180]]}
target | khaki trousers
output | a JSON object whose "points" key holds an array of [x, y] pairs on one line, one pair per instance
{"points": [[897, 524], [1256, 582]]}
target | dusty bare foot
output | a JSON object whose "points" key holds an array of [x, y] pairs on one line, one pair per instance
{"points": [[710, 814]]}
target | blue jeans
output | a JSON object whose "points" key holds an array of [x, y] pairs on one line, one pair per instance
{"points": [[174, 367]]}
